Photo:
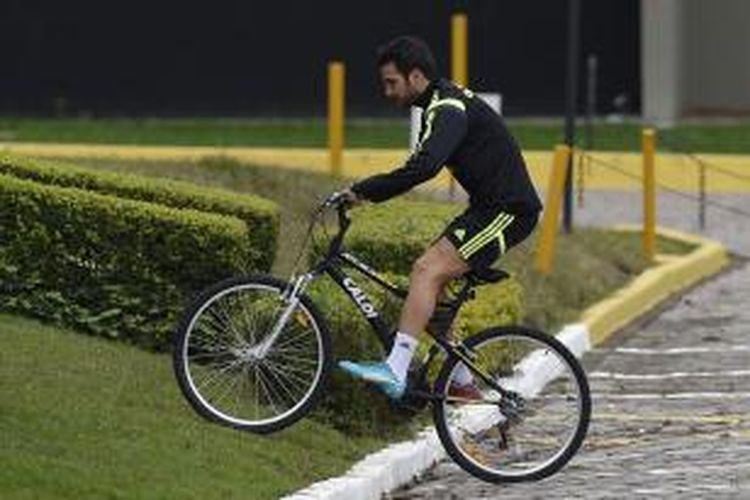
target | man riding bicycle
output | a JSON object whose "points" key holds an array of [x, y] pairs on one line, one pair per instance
{"points": [[460, 130]]}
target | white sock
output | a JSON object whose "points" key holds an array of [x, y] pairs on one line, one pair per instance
{"points": [[401, 353], [462, 375]]}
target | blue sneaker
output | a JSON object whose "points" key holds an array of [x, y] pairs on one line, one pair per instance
{"points": [[378, 373]]}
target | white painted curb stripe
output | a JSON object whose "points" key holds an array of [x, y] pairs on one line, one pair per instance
{"points": [[379, 472], [674, 350], [678, 395], [666, 376], [398, 464]]}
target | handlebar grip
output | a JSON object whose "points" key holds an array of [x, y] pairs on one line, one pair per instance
{"points": [[337, 198]]}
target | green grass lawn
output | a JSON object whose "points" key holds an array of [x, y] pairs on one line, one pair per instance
{"points": [[83, 417], [305, 133], [380, 133]]}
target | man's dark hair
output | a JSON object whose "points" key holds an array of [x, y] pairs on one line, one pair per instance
{"points": [[408, 53]]}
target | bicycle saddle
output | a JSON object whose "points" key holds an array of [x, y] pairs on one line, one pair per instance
{"points": [[487, 275]]}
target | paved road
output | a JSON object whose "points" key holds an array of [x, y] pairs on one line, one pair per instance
{"points": [[671, 395]]}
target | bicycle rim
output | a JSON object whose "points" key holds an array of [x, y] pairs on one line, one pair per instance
{"points": [[225, 376], [516, 439]]}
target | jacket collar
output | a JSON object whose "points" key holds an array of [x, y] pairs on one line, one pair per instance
{"points": [[425, 97]]}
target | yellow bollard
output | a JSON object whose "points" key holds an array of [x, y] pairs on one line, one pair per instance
{"points": [[460, 49], [336, 116], [546, 246], [459, 62], [649, 193]]}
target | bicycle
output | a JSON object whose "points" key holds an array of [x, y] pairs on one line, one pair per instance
{"points": [[253, 352]]}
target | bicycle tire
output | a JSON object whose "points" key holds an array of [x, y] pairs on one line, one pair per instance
{"points": [[563, 455], [234, 360]]}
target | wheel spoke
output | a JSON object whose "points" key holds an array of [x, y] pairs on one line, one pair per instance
{"points": [[290, 373], [277, 375], [214, 327], [269, 398], [216, 375], [290, 340], [290, 358], [230, 323], [228, 389]]}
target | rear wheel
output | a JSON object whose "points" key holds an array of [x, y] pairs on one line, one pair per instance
{"points": [[533, 430], [222, 364]]}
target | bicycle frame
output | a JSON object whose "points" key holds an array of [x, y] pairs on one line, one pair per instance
{"points": [[333, 268], [332, 265]]}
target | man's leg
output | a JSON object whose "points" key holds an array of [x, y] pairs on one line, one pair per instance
{"points": [[438, 265], [430, 273]]}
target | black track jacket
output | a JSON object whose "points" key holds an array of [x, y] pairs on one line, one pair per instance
{"points": [[462, 131]]}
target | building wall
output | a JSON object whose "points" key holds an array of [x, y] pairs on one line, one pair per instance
{"points": [[260, 58], [717, 66], [695, 58], [662, 60]]}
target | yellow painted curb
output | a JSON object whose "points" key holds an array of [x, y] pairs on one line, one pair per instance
{"points": [[671, 275], [610, 170]]}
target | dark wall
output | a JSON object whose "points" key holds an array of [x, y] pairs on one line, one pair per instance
{"points": [[269, 57]]}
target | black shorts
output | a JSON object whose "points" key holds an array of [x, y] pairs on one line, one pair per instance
{"points": [[483, 235]]}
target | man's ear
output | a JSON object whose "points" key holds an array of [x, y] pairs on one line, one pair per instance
{"points": [[415, 76]]}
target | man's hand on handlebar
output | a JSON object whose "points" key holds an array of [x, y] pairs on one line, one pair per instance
{"points": [[351, 197], [345, 197]]}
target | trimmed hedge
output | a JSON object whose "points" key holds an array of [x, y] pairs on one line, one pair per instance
{"points": [[390, 237], [110, 266], [260, 215]]}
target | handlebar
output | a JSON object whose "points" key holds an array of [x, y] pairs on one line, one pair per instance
{"points": [[332, 199], [337, 198], [341, 202]]}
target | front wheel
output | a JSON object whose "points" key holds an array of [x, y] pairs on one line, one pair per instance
{"points": [[227, 370], [533, 413]]}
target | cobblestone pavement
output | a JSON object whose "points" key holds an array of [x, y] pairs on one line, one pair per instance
{"points": [[671, 396]]}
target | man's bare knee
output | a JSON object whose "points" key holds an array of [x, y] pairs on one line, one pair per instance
{"points": [[428, 266], [445, 261], [437, 265], [449, 256], [423, 273]]}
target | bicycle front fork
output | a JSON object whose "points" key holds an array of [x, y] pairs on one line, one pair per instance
{"points": [[291, 297]]}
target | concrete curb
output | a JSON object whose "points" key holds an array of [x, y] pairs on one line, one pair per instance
{"points": [[397, 464], [674, 273]]}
